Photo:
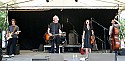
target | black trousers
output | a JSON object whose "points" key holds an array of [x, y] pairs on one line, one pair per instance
{"points": [[11, 47], [56, 41]]}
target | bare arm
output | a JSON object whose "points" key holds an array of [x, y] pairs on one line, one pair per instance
{"points": [[60, 31], [7, 34], [110, 30], [118, 22], [83, 36], [48, 31], [17, 30], [92, 32]]}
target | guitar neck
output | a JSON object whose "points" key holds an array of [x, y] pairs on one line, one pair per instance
{"points": [[56, 34], [14, 32]]}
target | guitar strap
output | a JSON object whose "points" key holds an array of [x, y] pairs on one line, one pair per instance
{"points": [[14, 29]]}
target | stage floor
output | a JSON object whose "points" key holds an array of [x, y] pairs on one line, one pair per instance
{"points": [[28, 55]]}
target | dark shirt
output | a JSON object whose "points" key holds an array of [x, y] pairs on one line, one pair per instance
{"points": [[54, 28], [11, 28]]}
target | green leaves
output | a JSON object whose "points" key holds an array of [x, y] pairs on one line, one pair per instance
{"points": [[3, 22], [122, 28]]}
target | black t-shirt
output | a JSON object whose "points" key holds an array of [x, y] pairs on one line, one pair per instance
{"points": [[54, 28]]}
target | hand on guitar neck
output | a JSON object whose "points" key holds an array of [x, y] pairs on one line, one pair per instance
{"points": [[50, 34]]}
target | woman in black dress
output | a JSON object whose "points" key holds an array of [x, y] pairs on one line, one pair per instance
{"points": [[86, 38]]}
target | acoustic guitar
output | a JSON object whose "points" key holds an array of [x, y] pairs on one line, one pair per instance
{"points": [[48, 37]]}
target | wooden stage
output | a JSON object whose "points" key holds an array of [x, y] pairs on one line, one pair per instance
{"points": [[28, 55]]}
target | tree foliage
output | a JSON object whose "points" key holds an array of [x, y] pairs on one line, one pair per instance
{"points": [[3, 20], [122, 28]]}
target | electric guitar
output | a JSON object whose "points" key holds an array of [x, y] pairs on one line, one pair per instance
{"points": [[9, 36]]}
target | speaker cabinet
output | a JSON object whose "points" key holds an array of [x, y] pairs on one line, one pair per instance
{"points": [[122, 52], [102, 57], [73, 39], [17, 52], [40, 47]]}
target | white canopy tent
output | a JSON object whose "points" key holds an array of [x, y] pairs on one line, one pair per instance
{"points": [[59, 4], [62, 4]]}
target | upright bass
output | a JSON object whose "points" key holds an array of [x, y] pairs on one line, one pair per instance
{"points": [[115, 42], [115, 39]]}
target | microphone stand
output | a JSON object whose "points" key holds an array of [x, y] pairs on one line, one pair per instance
{"points": [[74, 31], [104, 29], [101, 41]]}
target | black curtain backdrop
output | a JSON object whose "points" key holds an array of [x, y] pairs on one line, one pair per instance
{"points": [[34, 24]]}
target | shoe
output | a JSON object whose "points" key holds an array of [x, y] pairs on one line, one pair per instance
{"points": [[82, 59], [57, 52], [6, 56], [12, 55], [51, 52], [86, 59]]}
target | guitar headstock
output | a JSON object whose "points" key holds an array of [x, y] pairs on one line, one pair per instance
{"points": [[18, 31]]}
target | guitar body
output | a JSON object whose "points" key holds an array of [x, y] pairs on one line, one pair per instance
{"points": [[48, 37], [9, 36]]}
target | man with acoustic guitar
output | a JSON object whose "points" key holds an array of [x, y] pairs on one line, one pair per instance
{"points": [[54, 30], [11, 36]]}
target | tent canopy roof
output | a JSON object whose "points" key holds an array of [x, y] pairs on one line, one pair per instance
{"points": [[62, 4]]}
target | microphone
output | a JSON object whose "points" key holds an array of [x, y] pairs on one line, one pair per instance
{"points": [[62, 25], [67, 20], [91, 18]]}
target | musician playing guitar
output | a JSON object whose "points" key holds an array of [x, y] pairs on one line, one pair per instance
{"points": [[13, 30], [55, 28]]}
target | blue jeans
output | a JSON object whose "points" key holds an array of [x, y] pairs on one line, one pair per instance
{"points": [[11, 47]]}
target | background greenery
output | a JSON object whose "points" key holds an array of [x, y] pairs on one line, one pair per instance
{"points": [[3, 20], [122, 28]]}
